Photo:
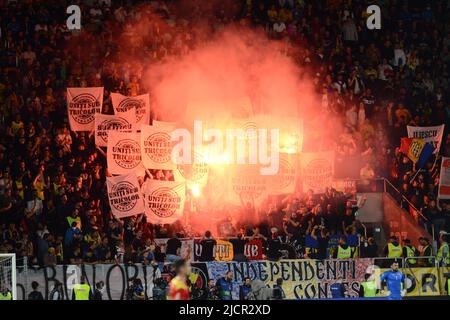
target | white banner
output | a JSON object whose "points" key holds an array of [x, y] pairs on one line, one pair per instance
{"points": [[124, 194], [429, 134], [125, 122], [246, 184], [284, 181], [114, 276], [164, 201], [317, 171], [124, 153], [195, 174], [82, 105], [141, 105], [156, 148], [444, 179]]}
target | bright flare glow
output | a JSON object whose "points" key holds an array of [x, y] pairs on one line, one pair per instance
{"points": [[195, 191]]}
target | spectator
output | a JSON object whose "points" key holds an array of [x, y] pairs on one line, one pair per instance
{"points": [[35, 294], [208, 246], [57, 292], [225, 286], [174, 248], [245, 289]]}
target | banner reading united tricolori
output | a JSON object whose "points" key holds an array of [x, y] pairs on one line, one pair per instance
{"points": [[124, 194], [444, 180], [125, 122], [284, 181], [141, 105], [429, 134], [124, 153], [164, 201], [317, 170], [82, 105], [156, 148], [246, 185]]}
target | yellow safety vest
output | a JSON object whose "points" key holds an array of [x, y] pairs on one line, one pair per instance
{"points": [[7, 296], [410, 253], [71, 220], [344, 253], [448, 287], [394, 251], [81, 291], [370, 288], [440, 254]]}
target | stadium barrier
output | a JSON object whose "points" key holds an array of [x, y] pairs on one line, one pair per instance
{"points": [[302, 278]]}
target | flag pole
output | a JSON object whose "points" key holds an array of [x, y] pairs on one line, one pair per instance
{"points": [[415, 175]]}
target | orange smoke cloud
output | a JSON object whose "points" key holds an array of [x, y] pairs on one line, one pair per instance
{"points": [[234, 65]]}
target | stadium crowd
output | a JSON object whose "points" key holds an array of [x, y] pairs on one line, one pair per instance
{"points": [[53, 203]]}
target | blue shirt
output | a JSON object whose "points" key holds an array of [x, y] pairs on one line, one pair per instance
{"points": [[337, 290], [394, 281], [225, 289]]}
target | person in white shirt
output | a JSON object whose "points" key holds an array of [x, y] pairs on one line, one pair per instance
{"points": [[279, 27], [382, 68], [399, 56]]}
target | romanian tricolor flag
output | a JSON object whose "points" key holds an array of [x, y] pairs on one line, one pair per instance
{"points": [[417, 150]]}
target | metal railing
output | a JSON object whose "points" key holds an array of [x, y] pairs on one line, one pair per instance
{"points": [[408, 206], [403, 201]]}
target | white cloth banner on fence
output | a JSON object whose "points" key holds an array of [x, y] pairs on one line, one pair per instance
{"points": [[444, 179], [82, 105], [429, 134], [125, 122], [164, 201], [124, 194], [156, 148], [141, 105], [317, 170], [124, 153], [114, 276]]}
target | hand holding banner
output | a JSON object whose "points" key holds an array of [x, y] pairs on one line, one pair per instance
{"points": [[432, 135], [317, 170], [141, 105], [126, 122], [82, 105], [124, 194], [124, 153], [156, 148], [164, 201]]}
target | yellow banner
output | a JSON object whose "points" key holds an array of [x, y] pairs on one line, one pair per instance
{"points": [[224, 250]]}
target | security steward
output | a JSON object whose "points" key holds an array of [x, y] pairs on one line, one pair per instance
{"points": [[410, 252], [343, 250], [368, 288], [443, 254], [82, 291], [5, 294], [393, 250]]}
